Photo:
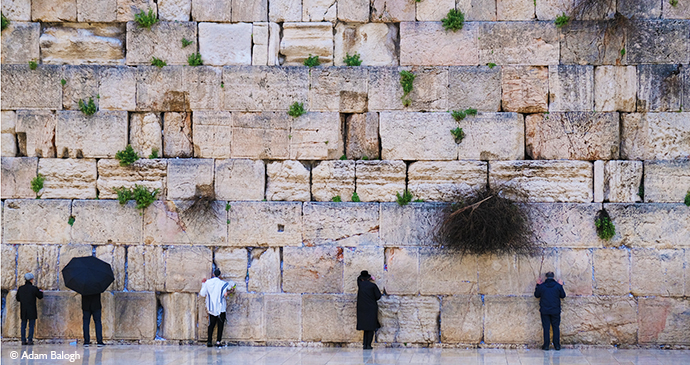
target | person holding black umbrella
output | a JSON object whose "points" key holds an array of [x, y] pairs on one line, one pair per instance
{"points": [[367, 308], [26, 296], [91, 306]]}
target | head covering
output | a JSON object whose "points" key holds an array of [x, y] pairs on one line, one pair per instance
{"points": [[364, 275], [29, 276], [216, 273], [549, 274]]}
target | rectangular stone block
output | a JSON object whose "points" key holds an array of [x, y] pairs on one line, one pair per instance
{"points": [[379, 180], [145, 131], [126, 9], [515, 275], [264, 270], [433, 10], [178, 88], [409, 225], [551, 9], [145, 268], [150, 174], [233, 263], [225, 44], [474, 87], [658, 225], [445, 180], [178, 222], [512, 320], [448, 48], [389, 11], [284, 313], [657, 272], [316, 136], [356, 259], [265, 224], [343, 224], [41, 260], [11, 316], [250, 10], [525, 89], [287, 180], [9, 265], [385, 92], [518, 43], [660, 88], [639, 9], [136, 316], [81, 83], [212, 134], [239, 179], [36, 133], [67, 253], [145, 43], [615, 88], [17, 173], [444, 273], [31, 221], [575, 269], [115, 256], [319, 10], [8, 145], [105, 221], [177, 135], [313, 269], [261, 135], [663, 320], [285, 11], [333, 178], [402, 135], [564, 224], [83, 43], [514, 10], [571, 88], [544, 181], [462, 319], [20, 42], [9, 121], [666, 181], [117, 88], [264, 88], [54, 11], [592, 43], [245, 318], [97, 136], [409, 319], [19, 10], [189, 177], [353, 11], [611, 271], [598, 320], [302, 40], [655, 136], [622, 181], [362, 137], [573, 136], [174, 10], [658, 41], [374, 42], [329, 318], [31, 89], [185, 266], [677, 11], [68, 178], [260, 36], [179, 321], [492, 136], [401, 271], [341, 89], [64, 310], [211, 11]]}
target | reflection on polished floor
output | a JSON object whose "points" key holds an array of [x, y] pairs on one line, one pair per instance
{"points": [[193, 355]]}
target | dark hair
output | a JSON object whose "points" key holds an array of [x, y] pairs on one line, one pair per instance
{"points": [[549, 274], [216, 273]]}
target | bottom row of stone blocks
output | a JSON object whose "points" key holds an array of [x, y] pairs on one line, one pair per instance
{"points": [[290, 318]]}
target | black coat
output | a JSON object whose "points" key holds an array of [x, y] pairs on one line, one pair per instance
{"points": [[549, 293], [26, 296], [367, 308], [91, 303]]}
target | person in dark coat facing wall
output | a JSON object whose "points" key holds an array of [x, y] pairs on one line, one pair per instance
{"points": [[550, 293], [26, 296], [367, 308], [91, 306]]}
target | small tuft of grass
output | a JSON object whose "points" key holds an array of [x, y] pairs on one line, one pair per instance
{"points": [[458, 134], [146, 20], [673, 3], [71, 220], [404, 199], [622, 52], [418, 201], [296, 110], [88, 108], [158, 62], [5, 22], [63, 82], [355, 197], [454, 20], [227, 207], [605, 228], [37, 184], [458, 115], [127, 156], [312, 61], [491, 65], [143, 196], [343, 158], [186, 42], [337, 199], [365, 158], [154, 154], [406, 81], [33, 64], [222, 85], [562, 20], [123, 195], [194, 59], [471, 111], [352, 60]]}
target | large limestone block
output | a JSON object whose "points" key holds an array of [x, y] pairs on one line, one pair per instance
{"points": [[9, 121], [81, 83], [417, 136], [374, 42], [68, 178], [341, 89], [301, 40], [571, 88], [177, 135], [385, 92], [145, 131], [445, 180], [370, 258], [35, 130], [17, 173], [448, 48], [622, 180], [260, 37], [212, 134], [250, 10], [212, 11], [401, 271], [564, 224], [265, 224], [313, 269], [232, 263], [611, 271], [264, 270], [409, 225], [264, 88], [41, 260], [599, 320], [285, 11], [573, 136], [344, 224], [518, 43], [319, 10], [430, 91], [666, 181], [31, 89], [379, 180], [639, 9], [655, 136], [83, 43], [593, 43], [672, 11], [179, 316], [390, 11], [551, 9], [433, 10], [353, 11], [409, 319], [663, 321], [657, 272], [239, 179], [333, 178], [145, 43], [544, 181], [362, 136], [514, 275], [185, 266], [245, 318], [261, 135], [126, 9], [117, 88], [20, 42], [189, 177], [658, 225], [67, 253], [145, 268], [105, 221], [178, 88], [9, 265], [8, 145], [178, 222], [174, 10], [660, 88], [63, 309], [148, 173], [615, 88], [474, 87], [512, 319], [525, 89], [11, 316], [54, 11], [115, 256], [284, 313], [136, 316], [329, 318], [97, 11], [444, 273], [575, 269], [477, 9], [462, 319], [492, 136], [316, 136], [225, 44], [658, 41], [515, 10], [99, 135], [31, 221], [18, 10], [287, 180]]}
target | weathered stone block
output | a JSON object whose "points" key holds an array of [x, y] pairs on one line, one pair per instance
{"points": [[639, 9], [285, 11], [564, 224], [380, 180], [302, 40], [145, 43], [657, 272], [264, 270], [666, 181], [105, 221], [174, 10], [31, 221], [115, 256], [441, 273], [447, 49], [145, 268], [341, 89], [117, 88], [17, 173], [259, 38], [430, 91], [188, 176], [389, 11], [9, 265], [178, 88], [99, 135], [126, 9], [518, 43], [571, 88], [491, 136], [211, 11], [655, 136], [185, 267], [525, 89], [544, 181], [172, 222], [515, 10], [64, 308], [54, 11], [329, 318], [611, 271], [333, 178], [225, 44], [284, 313], [575, 268], [232, 263], [370, 258], [433, 10], [250, 10], [551, 9], [511, 320], [474, 87], [615, 88], [417, 136], [8, 119], [385, 92], [239, 179], [353, 11], [592, 43], [514, 275], [462, 319], [374, 42], [658, 225], [41, 260], [136, 316], [344, 224], [401, 271], [658, 41], [212, 134], [8, 145], [313, 269], [265, 224], [445, 180], [663, 320], [11, 317], [97, 11], [598, 320], [148, 173], [177, 135], [179, 320], [316, 136], [287, 180], [622, 181], [19, 10], [660, 88], [31, 89], [677, 11], [409, 225], [145, 133], [67, 253], [245, 318], [81, 84], [573, 136], [261, 135], [83, 43], [409, 319], [68, 178], [20, 42], [362, 136], [319, 10], [264, 88]]}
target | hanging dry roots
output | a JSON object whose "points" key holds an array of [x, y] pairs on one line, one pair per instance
{"points": [[201, 211]]}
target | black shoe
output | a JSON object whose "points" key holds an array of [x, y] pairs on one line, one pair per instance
{"points": [[545, 348], [100, 344], [30, 343], [557, 347], [208, 344], [23, 342]]}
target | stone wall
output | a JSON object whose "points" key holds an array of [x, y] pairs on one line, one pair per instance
{"points": [[577, 118]]}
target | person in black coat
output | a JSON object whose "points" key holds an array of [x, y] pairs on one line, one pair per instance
{"points": [[91, 306], [26, 296], [550, 293], [367, 308]]}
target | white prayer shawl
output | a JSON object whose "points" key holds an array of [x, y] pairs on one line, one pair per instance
{"points": [[214, 290]]}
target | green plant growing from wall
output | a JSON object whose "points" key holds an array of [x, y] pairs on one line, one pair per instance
{"points": [[454, 20], [352, 60], [337, 199], [459, 115], [154, 154], [186, 42], [5, 22], [687, 198], [343, 158], [143, 196], [471, 111], [123, 195], [158, 62], [562, 20], [406, 81], [365, 158], [403, 199], [63, 82], [227, 207], [71, 220], [673, 3], [418, 201], [33, 64], [622, 52], [37, 184], [355, 197], [194, 59], [127, 156], [296, 110], [146, 20], [605, 228], [491, 65], [312, 61], [88, 108], [458, 134]]}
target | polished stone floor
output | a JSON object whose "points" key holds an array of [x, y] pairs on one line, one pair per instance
{"points": [[194, 355]]}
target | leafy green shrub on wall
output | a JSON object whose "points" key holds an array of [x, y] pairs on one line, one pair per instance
{"points": [[406, 81], [146, 20], [37, 184], [454, 20], [605, 228], [127, 156]]}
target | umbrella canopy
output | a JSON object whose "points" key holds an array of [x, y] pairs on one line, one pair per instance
{"points": [[88, 275]]}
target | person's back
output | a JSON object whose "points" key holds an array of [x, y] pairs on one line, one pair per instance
{"points": [[550, 294], [91, 307], [26, 296]]}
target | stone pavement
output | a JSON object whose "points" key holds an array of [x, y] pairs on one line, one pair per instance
{"points": [[193, 355]]}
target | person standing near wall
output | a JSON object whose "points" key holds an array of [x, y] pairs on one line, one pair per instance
{"points": [[215, 291], [91, 306], [26, 296], [550, 293], [367, 308]]}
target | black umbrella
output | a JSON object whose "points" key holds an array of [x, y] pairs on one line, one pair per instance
{"points": [[88, 275]]}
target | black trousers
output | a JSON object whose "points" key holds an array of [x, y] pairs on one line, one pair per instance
{"points": [[32, 324], [213, 320], [368, 338], [553, 321], [97, 321]]}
